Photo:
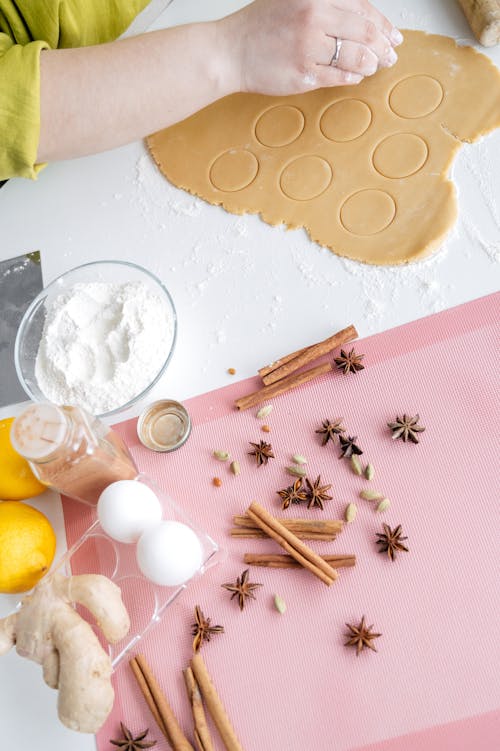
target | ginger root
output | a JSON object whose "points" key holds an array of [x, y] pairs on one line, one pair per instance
{"points": [[48, 630]]}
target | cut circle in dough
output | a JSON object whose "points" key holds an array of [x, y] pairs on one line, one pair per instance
{"points": [[306, 177], [400, 155], [345, 120], [416, 96], [234, 170], [279, 126], [367, 212]]}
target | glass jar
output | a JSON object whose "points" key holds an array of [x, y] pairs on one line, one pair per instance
{"points": [[71, 451]]}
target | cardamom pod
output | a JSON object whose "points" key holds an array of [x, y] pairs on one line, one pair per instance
{"points": [[369, 472], [350, 512], [235, 468], [356, 465], [371, 495], [222, 456], [384, 504], [296, 471], [264, 411], [279, 604], [299, 459]]}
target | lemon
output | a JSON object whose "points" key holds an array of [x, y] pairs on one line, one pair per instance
{"points": [[27, 546], [17, 481]]}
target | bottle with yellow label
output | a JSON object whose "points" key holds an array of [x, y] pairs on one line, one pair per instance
{"points": [[17, 481]]}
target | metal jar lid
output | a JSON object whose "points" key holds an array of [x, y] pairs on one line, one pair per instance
{"points": [[164, 425]]}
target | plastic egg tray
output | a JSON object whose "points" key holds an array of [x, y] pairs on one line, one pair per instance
{"points": [[146, 602]]}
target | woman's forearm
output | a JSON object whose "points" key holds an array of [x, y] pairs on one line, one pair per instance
{"points": [[96, 98]]}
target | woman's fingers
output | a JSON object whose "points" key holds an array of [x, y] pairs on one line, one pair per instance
{"points": [[328, 76], [356, 28], [354, 57], [357, 58], [281, 47], [370, 14]]}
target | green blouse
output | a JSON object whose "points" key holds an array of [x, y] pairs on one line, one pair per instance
{"points": [[26, 28]]}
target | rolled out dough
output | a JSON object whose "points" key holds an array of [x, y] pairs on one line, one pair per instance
{"points": [[362, 168]]}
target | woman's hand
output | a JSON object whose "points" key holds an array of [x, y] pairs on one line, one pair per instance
{"points": [[282, 47]]}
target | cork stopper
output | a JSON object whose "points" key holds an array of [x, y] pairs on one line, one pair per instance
{"points": [[38, 431]]}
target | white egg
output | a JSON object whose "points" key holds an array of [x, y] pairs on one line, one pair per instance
{"points": [[169, 553], [126, 509]]}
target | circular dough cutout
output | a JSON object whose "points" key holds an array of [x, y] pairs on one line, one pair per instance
{"points": [[306, 177], [416, 96], [400, 155], [345, 120], [234, 170], [279, 126], [367, 212]]}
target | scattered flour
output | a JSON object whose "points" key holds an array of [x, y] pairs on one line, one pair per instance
{"points": [[478, 162], [102, 344], [310, 80], [475, 235], [277, 271]]}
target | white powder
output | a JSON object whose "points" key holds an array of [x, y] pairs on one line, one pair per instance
{"points": [[310, 80], [102, 344]]}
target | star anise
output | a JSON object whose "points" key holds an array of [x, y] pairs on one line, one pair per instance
{"points": [[242, 589], [262, 451], [349, 362], [202, 630], [317, 493], [330, 429], [292, 494], [348, 446], [406, 427], [129, 743], [360, 636], [391, 540]]}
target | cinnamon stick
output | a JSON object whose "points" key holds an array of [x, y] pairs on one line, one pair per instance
{"points": [[148, 696], [201, 732], [330, 527], [158, 704], [282, 386], [281, 361], [214, 704], [290, 363], [278, 560], [256, 534], [291, 543], [267, 369]]}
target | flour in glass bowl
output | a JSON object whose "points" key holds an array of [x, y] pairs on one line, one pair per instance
{"points": [[102, 344]]}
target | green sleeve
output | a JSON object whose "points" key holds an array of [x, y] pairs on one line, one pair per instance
{"points": [[19, 107], [26, 28]]}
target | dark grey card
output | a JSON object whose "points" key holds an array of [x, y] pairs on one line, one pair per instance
{"points": [[20, 282]]}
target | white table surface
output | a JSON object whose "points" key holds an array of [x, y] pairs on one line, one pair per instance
{"points": [[245, 293]]}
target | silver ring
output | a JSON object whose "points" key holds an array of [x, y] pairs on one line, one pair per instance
{"points": [[338, 46]]}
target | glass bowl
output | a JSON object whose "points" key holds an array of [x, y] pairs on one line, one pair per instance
{"points": [[31, 327]]}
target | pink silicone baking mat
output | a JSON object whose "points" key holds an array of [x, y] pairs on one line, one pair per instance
{"points": [[287, 681]]}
